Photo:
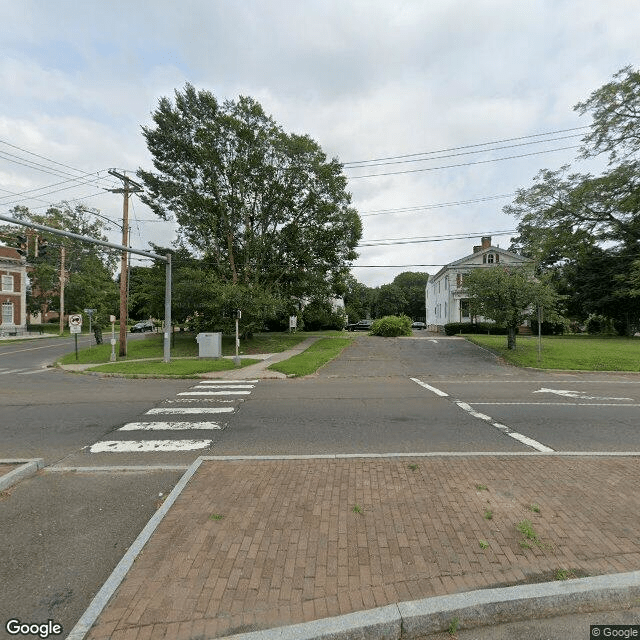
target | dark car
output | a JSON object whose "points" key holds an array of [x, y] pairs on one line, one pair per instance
{"points": [[418, 325], [361, 325], [141, 327]]}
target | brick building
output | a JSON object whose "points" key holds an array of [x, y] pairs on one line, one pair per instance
{"points": [[13, 291]]}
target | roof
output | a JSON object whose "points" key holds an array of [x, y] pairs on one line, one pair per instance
{"points": [[514, 259], [10, 253]]}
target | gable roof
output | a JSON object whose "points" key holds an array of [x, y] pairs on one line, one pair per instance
{"points": [[514, 258]]}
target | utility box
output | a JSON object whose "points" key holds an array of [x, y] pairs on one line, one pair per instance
{"points": [[209, 345]]}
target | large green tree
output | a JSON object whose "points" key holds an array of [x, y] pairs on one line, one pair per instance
{"points": [[263, 208], [89, 269], [571, 221], [508, 296], [412, 284]]}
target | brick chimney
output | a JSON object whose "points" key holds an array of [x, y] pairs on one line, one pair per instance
{"points": [[486, 242]]}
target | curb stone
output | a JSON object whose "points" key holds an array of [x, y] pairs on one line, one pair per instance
{"points": [[484, 607], [27, 468]]}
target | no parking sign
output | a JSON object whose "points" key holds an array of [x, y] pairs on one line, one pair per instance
{"points": [[75, 323]]}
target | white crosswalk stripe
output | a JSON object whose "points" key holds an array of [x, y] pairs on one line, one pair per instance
{"points": [[169, 426], [180, 415]]}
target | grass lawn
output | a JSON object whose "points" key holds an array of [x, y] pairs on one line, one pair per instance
{"points": [[582, 353], [176, 368], [309, 361], [184, 345]]}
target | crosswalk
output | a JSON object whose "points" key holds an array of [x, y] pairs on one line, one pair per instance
{"points": [[199, 412], [21, 372]]}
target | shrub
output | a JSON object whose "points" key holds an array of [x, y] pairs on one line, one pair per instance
{"points": [[600, 325], [548, 328], [391, 326], [453, 328], [319, 315]]}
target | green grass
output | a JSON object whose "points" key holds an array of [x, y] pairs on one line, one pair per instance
{"points": [[183, 345], [581, 353], [175, 368], [309, 361]]}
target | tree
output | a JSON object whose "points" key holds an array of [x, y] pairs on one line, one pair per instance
{"points": [[389, 301], [615, 110], [358, 299], [581, 225], [412, 284], [264, 209], [89, 269], [508, 296]]}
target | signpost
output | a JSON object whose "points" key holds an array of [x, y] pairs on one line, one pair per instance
{"points": [[75, 327], [112, 319], [90, 313], [237, 358]]}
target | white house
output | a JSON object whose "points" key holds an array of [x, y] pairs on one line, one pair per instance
{"points": [[445, 296]]}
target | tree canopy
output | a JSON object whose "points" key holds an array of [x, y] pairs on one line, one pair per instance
{"points": [[571, 221], [262, 208], [508, 296]]}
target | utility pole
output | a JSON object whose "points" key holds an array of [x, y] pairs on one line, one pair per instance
{"points": [[62, 278], [129, 186]]}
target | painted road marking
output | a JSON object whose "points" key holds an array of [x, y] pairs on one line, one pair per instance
{"points": [[187, 400], [28, 373], [225, 386], [169, 426], [538, 446], [432, 389], [214, 393], [128, 446], [190, 410], [228, 382], [558, 404], [580, 395]]}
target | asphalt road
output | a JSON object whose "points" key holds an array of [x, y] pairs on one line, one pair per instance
{"points": [[67, 529]]}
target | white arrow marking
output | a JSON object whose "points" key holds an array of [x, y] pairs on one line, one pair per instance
{"points": [[581, 395], [432, 340]]}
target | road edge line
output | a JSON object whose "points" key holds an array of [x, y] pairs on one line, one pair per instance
{"points": [[107, 590]]}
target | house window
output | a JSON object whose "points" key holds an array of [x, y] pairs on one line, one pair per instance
{"points": [[487, 258], [7, 313], [446, 283], [7, 283], [445, 309], [464, 308], [459, 279]]}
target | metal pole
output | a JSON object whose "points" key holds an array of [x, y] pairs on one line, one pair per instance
{"points": [[167, 310], [62, 290], [123, 273]]}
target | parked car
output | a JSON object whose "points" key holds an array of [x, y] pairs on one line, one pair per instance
{"points": [[361, 325], [418, 325], [141, 327]]}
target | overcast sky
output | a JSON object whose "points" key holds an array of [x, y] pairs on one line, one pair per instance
{"points": [[367, 79]]}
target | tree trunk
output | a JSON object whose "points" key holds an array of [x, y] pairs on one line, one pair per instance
{"points": [[511, 337]]}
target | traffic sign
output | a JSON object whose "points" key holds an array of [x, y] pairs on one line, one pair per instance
{"points": [[75, 320]]}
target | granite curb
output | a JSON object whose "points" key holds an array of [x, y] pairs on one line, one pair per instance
{"points": [[25, 469], [410, 619], [414, 619]]}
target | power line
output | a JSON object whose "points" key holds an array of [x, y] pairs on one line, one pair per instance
{"points": [[468, 146], [463, 164], [381, 212], [464, 153], [39, 156], [387, 242]]}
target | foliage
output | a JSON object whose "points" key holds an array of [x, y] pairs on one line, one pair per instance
{"points": [[489, 328], [600, 325], [389, 301], [506, 295], [89, 268], [318, 315], [391, 326], [413, 284], [358, 299], [587, 227], [265, 210]]}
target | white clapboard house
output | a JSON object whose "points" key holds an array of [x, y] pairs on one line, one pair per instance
{"points": [[445, 296]]}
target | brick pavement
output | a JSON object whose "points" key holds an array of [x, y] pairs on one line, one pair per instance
{"points": [[254, 544]]}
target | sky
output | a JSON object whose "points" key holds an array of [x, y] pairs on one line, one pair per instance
{"points": [[470, 99]]}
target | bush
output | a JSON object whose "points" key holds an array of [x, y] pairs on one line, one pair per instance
{"points": [[548, 328], [600, 325], [453, 328], [391, 326]]}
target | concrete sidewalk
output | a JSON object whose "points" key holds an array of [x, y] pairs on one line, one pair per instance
{"points": [[250, 544]]}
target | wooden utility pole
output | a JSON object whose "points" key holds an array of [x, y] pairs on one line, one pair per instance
{"points": [[129, 186]]}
